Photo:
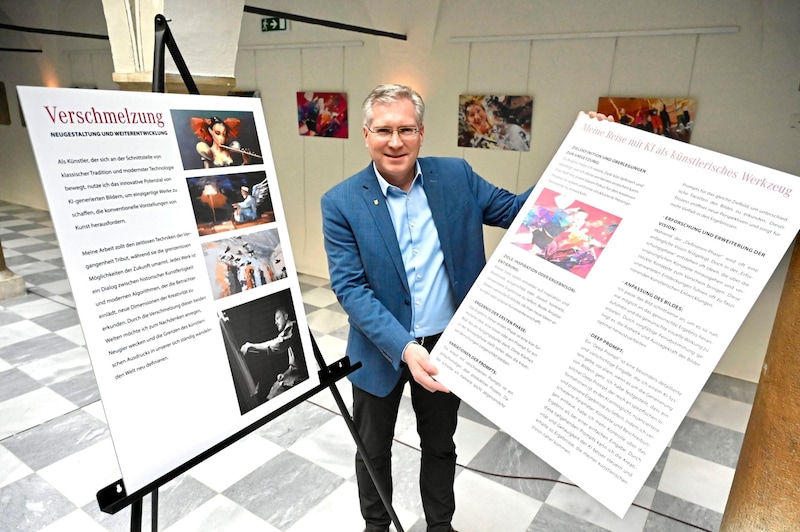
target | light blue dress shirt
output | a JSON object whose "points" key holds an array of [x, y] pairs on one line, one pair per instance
{"points": [[432, 298]]}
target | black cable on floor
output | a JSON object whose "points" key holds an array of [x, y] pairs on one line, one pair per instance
{"points": [[544, 479]]}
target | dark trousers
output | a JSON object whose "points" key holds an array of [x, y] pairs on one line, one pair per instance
{"points": [[437, 414]]}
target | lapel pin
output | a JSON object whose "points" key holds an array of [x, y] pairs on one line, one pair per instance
{"points": [[376, 202]]}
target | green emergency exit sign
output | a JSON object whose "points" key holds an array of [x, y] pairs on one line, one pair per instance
{"points": [[273, 24]]}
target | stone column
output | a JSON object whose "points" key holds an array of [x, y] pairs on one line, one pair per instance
{"points": [[11, 284], [765, 494], [205, 31]]}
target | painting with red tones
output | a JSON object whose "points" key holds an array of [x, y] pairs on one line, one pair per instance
{"points": [[669, 117]]}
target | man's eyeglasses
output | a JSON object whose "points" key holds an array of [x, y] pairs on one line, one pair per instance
{"points": [[405, 132]]}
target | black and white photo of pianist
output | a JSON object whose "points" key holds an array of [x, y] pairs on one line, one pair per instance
{"points": [[264, 347]]}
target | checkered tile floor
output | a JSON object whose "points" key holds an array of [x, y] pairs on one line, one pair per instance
{"points": [[296, 472]]}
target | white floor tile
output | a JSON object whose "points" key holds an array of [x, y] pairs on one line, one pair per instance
{"points": [[13, 223], [96, 409], [332, 348], [59, 366], [34, 267], [74, 334], [65, 300], [48, 254], [470, 438], [20, 242], [233, 463], [482, 504], [21, 330], [57, 287], [77, 520], [721, 411], [311, 279], [79, 476], [220, 513], [330, 446], [31, 409], [11, 467], [319, 297], [40, 231], [37, 308], [325, 321], [696, 480]]}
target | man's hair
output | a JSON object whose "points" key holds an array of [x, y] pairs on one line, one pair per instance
{"points": [[391, 93]]}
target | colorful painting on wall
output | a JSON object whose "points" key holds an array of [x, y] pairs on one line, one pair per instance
{"points": [[670, 117], [322, 114], [494, 121]]}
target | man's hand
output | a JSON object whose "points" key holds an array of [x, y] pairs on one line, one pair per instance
{"points": [[422, 369]]}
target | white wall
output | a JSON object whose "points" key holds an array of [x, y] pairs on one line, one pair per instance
{"points": [[746, 84], [65, 62]]}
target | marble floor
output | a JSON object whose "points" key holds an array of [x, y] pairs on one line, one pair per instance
{"points": [[296, 473]]}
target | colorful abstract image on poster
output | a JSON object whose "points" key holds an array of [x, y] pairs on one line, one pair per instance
{"points": [[244, 262], [494, 121], [670, 117], [565, 232], [322, 114]]}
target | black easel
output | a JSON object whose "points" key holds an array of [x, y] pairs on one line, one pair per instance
{"points": [[163, 38], [114, 497]]}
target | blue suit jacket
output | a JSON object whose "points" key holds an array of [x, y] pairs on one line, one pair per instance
{"points": [[366, 268]]}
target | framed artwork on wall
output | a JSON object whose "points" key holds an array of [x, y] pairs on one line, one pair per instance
{"points": [[670, 117], [322, 114], [494, 121]]}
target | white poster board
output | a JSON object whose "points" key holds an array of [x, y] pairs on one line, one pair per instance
{"points": [[178, 256], [612, 297]]}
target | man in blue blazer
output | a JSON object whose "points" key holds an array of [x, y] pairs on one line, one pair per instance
{"points": [[404, 239]]}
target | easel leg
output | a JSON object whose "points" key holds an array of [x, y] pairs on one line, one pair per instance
{"points": [[136, 516], [136, 513], [154, 510], [387, 501]]}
